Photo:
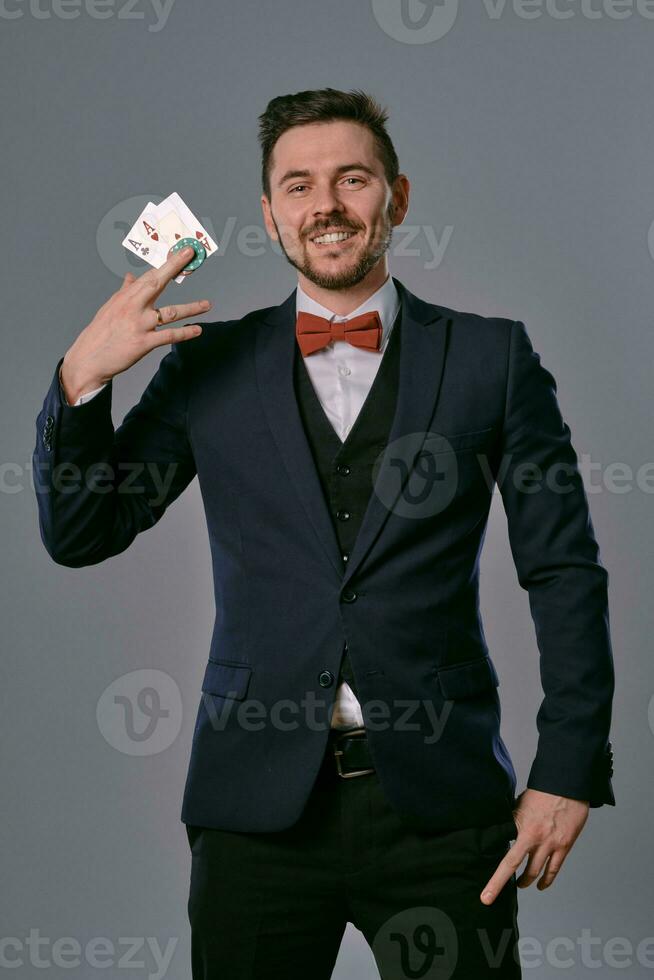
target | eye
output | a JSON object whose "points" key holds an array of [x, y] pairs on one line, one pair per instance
{"points": [[298, 187]]}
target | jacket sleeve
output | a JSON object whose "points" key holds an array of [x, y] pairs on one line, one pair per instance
{"points": [[557, 561], [97, 488]]}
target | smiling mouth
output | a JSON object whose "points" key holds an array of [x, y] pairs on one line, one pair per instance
{"points": [[336, 239]]}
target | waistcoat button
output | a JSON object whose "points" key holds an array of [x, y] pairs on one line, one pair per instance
{"points": [[325, 678]]}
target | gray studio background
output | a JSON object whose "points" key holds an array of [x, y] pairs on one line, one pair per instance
{"points": [[526, 133]]}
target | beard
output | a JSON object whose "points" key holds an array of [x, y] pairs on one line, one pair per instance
{"points": [[352, 272]]}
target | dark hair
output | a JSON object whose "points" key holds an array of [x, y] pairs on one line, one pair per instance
{"points": [[324, 105]]}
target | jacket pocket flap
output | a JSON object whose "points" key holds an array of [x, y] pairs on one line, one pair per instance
{"points": [[437, 442], [226, 679], [467, 680]]}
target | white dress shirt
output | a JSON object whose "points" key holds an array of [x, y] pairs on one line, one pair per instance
{"points": [[342, 376]]}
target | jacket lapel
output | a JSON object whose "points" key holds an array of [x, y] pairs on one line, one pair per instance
{"points": [[422, 353]]}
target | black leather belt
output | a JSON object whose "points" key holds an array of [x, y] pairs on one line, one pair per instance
{"points": [[351, 752]]}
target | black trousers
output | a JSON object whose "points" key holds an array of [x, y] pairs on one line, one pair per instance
{"points": [[275, 905]]}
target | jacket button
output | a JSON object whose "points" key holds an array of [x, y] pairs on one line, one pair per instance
{"points": [[325, 678], [343, 469], [343, 515], [349, 596]]}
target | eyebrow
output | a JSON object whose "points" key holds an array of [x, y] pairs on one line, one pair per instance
{"points": [[292, 174]]}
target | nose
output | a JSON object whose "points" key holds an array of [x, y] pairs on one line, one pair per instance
{"points": [[327, 201]]}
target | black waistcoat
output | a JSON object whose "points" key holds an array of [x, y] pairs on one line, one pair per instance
{"points": [[345, 468]]}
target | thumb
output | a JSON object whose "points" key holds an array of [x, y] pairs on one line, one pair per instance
{"points": [[128, 280]]}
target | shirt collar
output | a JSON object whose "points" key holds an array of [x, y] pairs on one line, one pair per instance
{"points": [[386, 300]]}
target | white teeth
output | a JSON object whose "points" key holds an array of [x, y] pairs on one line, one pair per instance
{"points": [[336, 236]]}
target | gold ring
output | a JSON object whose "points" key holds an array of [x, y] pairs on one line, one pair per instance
{"points": [[159, 320]]}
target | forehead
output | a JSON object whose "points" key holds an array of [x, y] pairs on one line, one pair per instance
{"points": [[323, 145]]}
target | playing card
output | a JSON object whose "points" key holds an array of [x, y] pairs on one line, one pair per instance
{"points": [[160, 226], [180, 222], [170, 229], [143, 238]]}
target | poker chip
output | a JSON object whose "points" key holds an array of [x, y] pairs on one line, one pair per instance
{"points": [[200, 253]]}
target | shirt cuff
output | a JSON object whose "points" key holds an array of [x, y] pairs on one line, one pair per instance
{"points": [[86, 397]]}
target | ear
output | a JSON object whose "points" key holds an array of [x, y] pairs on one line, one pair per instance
{"points": [[401, 190], [267, 218]]}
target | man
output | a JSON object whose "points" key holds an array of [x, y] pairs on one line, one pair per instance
{"points": [[347, 763]]}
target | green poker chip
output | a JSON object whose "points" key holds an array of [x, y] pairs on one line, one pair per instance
{"points": [[200, 253]]}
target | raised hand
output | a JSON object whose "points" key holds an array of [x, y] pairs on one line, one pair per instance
{"points": [[125, 329]]}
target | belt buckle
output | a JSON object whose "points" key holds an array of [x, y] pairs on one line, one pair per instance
{"points": [[339, 752]]}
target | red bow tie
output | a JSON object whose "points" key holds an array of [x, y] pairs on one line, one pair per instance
{"points": [[315, 332]]}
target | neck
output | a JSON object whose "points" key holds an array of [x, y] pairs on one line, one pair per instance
{"points": [[344, 301]]}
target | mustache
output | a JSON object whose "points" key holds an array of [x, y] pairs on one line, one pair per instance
{"points": [[328, 228]]}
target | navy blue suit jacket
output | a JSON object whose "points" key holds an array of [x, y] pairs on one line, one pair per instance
{"points": [[474, 406]]}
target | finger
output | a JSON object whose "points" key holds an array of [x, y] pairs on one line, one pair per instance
{"points": [[173, 335], [552, 869], [534, 866], [127, 281], [505, 869], [155, 280], [169, 314]]}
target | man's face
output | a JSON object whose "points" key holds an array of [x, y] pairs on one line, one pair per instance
{"points": [[342, 187]]}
